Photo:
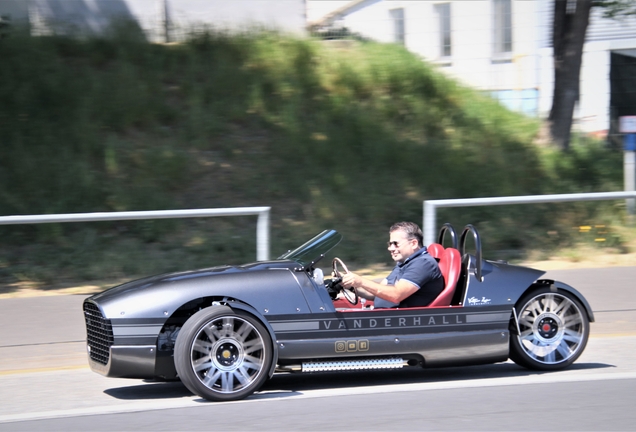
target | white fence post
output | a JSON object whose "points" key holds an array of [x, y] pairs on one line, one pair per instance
{"points": [[262, 225], [262, 236], [430, 206]]}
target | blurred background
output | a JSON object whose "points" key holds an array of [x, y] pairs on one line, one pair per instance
{"points": [[341, 115]]}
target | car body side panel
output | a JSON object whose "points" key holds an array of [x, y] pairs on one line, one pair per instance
{"points": [[128, 361], [316, 296], [501, 283], [136, 331], [438, 335], [436, 349]]}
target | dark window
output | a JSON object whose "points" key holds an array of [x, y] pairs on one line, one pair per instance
{"points": [[502, 26], [444, 19], [397, 16]]}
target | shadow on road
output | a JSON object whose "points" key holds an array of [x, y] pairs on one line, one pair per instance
{"points": [[315, 381], [150, 391], [289, 384]]}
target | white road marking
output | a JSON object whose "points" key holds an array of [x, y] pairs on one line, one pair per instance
{"points": [[194, 401]]}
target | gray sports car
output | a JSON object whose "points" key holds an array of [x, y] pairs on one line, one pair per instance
{"points": [[224, 330]]}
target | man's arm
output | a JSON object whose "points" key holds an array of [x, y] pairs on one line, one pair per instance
{"points": [[366, 294], [393, 293]]}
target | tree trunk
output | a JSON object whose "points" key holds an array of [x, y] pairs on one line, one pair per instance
{"points": [[571, 18]]}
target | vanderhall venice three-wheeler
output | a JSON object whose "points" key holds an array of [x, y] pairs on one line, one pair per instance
{"points": [[223, 331]]}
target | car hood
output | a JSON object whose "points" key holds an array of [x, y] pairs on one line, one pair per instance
{"points": [[262, 283], [175, 279], [158, 296]]}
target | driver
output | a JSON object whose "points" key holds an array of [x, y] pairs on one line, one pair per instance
{"points": [[416, 279]]}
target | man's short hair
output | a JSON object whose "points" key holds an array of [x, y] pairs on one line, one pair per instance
{"points": [[412, 231]]}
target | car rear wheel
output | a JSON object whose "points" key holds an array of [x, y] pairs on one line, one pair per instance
{"points": [[223, 354], [554, 329]]}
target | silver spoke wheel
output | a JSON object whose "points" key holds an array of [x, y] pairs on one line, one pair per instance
{"points": [[553, 331], [227, 354], [223, 355]]}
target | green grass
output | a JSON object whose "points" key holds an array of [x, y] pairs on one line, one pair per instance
{"points": [[346, 137]]}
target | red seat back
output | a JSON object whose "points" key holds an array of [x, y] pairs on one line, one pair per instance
{"points": [[450, 264], [436, 250]]}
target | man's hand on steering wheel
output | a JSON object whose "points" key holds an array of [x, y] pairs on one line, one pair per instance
{"points": [[348, 291], [351, 280]]}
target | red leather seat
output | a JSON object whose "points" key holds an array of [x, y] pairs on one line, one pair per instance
{"points": [[436, 250], [450, 264]]}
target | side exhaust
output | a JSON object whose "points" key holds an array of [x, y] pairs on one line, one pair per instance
{"points": [[346, 365]]}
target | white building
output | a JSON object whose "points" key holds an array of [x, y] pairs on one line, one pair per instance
{"points": [[502, 47], [160, 20]]}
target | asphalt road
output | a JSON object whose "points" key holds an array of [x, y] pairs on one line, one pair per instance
{"points": [[46, 385]]}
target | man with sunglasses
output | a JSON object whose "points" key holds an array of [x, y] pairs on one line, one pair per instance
{"points": [[416, 279]]}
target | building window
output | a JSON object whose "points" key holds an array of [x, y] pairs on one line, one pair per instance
{"points": [[525, 101], [502, 26], [397, 16], [443, 11]]}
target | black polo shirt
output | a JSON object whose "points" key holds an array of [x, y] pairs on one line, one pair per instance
{"points": [[421, 270]]}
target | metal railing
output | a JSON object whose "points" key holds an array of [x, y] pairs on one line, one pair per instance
{"points": [[430, 206], [262, 224]]}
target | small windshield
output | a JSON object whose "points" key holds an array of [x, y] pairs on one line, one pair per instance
{"points": [[314, 249]]}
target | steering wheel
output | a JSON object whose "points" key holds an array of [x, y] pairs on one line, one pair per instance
{"points": [[351, 294]]}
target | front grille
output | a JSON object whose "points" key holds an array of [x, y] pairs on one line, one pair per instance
{"points": [[99, 334]]}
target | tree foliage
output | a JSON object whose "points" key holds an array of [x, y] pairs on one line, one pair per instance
{"points": [[569, 26], [617, 8]]}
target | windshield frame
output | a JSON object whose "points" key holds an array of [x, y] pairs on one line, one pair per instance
{"points": [[312, 251]]}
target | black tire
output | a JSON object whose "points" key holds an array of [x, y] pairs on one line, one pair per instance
{"points": [[554, 330], [223, 354]]}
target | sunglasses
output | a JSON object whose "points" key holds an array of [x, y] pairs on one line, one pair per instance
{"points": [[393, 243]]}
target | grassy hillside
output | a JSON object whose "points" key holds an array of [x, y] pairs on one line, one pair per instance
{"points": [[351, 137]]}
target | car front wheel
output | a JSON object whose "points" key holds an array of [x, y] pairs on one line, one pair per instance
{"points": [[223, 354], [554, 329]]}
